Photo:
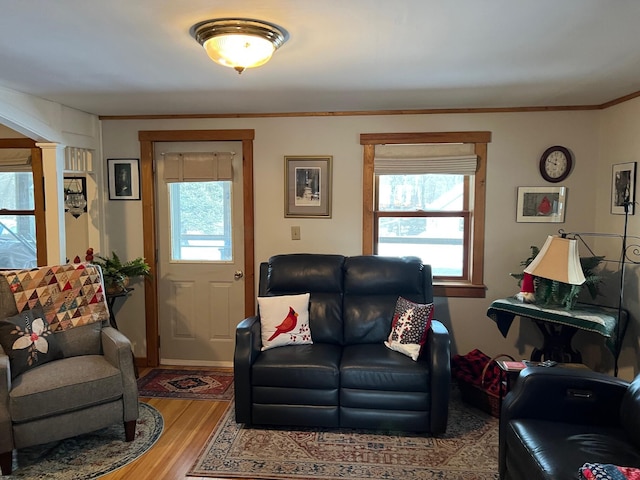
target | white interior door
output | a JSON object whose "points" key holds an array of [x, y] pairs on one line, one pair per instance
{"points": [[200, 259]]}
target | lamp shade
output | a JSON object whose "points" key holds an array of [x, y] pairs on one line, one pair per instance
{"points": [[558, 260]]}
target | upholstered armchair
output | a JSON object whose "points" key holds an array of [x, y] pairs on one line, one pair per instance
{"points": [[80, 379]]}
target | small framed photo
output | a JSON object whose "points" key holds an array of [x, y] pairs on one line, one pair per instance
{"points": [[541, 204], [623, 188], [307, 186], [124, 178]]}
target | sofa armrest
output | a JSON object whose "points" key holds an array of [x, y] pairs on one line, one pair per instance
{"points": [[117, 350], [438, 353], [248, 345], [6, 430]]}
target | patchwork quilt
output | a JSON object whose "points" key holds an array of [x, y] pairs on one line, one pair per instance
{"points": [[70, 295]]}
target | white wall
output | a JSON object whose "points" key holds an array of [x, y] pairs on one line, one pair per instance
{"points": [[518, 141]]}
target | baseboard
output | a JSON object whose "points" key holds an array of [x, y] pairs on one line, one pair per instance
{"points": [[194, 363]]}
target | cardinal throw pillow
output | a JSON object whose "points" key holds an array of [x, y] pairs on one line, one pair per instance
{"points": [[284, 320], [411, 322]]}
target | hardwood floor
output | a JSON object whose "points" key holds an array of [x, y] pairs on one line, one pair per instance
{"points": [[187, 426]]}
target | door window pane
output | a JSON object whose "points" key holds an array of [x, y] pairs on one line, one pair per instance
{"points": [[17, 191], [201, 227]]}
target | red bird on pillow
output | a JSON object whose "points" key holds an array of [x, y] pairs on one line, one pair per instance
{"points": [[288, 324]]}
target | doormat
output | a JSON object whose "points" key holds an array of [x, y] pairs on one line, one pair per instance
{"points": [[467, 451], [210, 384]]}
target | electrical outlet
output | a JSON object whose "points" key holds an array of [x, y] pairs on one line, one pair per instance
{"points": [[295, 233]]}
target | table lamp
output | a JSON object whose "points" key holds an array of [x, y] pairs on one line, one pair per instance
{"points": [[558, 260]]}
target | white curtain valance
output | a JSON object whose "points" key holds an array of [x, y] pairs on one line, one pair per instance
{"points": [[15, 160], [198, 166], [447, 158]]}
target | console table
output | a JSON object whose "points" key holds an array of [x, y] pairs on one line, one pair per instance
{"points": [[558, 326]]}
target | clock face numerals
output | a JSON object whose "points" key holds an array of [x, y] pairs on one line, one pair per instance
{"points": [[555, 164]]}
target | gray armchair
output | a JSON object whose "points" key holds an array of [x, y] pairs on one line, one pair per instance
{"points": [[91, 387]]}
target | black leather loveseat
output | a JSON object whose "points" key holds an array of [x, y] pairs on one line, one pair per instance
{"points": [[555, 420], [347, 377]]}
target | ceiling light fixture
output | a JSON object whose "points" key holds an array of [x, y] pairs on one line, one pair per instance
{"points": [[239, 43]]}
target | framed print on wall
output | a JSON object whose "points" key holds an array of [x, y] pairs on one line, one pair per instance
{"points": [[623, 188], [307, 186], [124, 178], [541, 204]]}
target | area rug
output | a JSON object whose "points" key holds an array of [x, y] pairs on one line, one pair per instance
{"points": [[211, 384], [468, 451], [91, 455]]}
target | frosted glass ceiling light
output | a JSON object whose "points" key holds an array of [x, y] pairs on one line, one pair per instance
{"points": [[239, 43]]}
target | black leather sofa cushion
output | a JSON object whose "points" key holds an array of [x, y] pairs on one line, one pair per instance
{"points": [[383, 276], [295, 396], [375, 367], [313, 272], [305, 366], [554, 451]]}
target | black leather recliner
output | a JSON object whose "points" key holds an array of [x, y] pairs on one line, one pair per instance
{"points": [[557, 419], [347, 377]]}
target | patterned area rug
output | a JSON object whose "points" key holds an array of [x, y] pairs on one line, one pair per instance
{"points": [[211, 384], [91, 455], [468, 451]]}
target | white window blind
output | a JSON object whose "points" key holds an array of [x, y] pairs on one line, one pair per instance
{"points": [[15, 160], [198, 166], [459, 158]]}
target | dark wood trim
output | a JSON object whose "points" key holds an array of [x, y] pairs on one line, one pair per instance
{"points": [[424, 137], [147, 139], [17, 143], [353, 113]]}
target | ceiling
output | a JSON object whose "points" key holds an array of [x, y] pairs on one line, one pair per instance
{"points": [[136, 57]]}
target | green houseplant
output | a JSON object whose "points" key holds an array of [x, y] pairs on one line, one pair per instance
{"points": [[116, 273], [549, 293]]}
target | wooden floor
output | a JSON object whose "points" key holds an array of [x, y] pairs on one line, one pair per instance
{"points": [[187, 426]]}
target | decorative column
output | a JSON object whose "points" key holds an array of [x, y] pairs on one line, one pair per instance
{"points": [[53, 168]]}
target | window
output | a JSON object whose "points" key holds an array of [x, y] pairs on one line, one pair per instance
{"points": [[424, 196], [21, 214]]}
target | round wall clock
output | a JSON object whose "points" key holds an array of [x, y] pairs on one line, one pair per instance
{"points": [[555, 164]]}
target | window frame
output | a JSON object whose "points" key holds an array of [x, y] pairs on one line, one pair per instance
{"points": [[473, 285], [38, 194]]}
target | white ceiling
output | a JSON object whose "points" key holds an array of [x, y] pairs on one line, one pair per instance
{"points": [[136, 57]]}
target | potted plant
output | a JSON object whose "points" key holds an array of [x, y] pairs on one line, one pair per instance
{"points": [[117, 273]]}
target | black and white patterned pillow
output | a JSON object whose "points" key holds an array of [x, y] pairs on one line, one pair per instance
{"points": [[411, 322]]}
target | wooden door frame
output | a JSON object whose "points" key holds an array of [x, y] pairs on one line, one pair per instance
{"points": [[147, 140]]}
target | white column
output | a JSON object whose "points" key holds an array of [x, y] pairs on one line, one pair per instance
{"points": [[53, 169]]}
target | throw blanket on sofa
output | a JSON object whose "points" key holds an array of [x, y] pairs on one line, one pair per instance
{"points": [[602, 471], [70, 295]]}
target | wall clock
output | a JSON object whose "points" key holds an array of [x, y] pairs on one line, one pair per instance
{"points": [[555, 164]]}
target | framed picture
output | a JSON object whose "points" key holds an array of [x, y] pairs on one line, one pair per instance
{"points": [[124, 178], [307, 186], [623, 188], [541, 204]]}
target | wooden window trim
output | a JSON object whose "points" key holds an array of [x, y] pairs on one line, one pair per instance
{"points": [[475, 288]]}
